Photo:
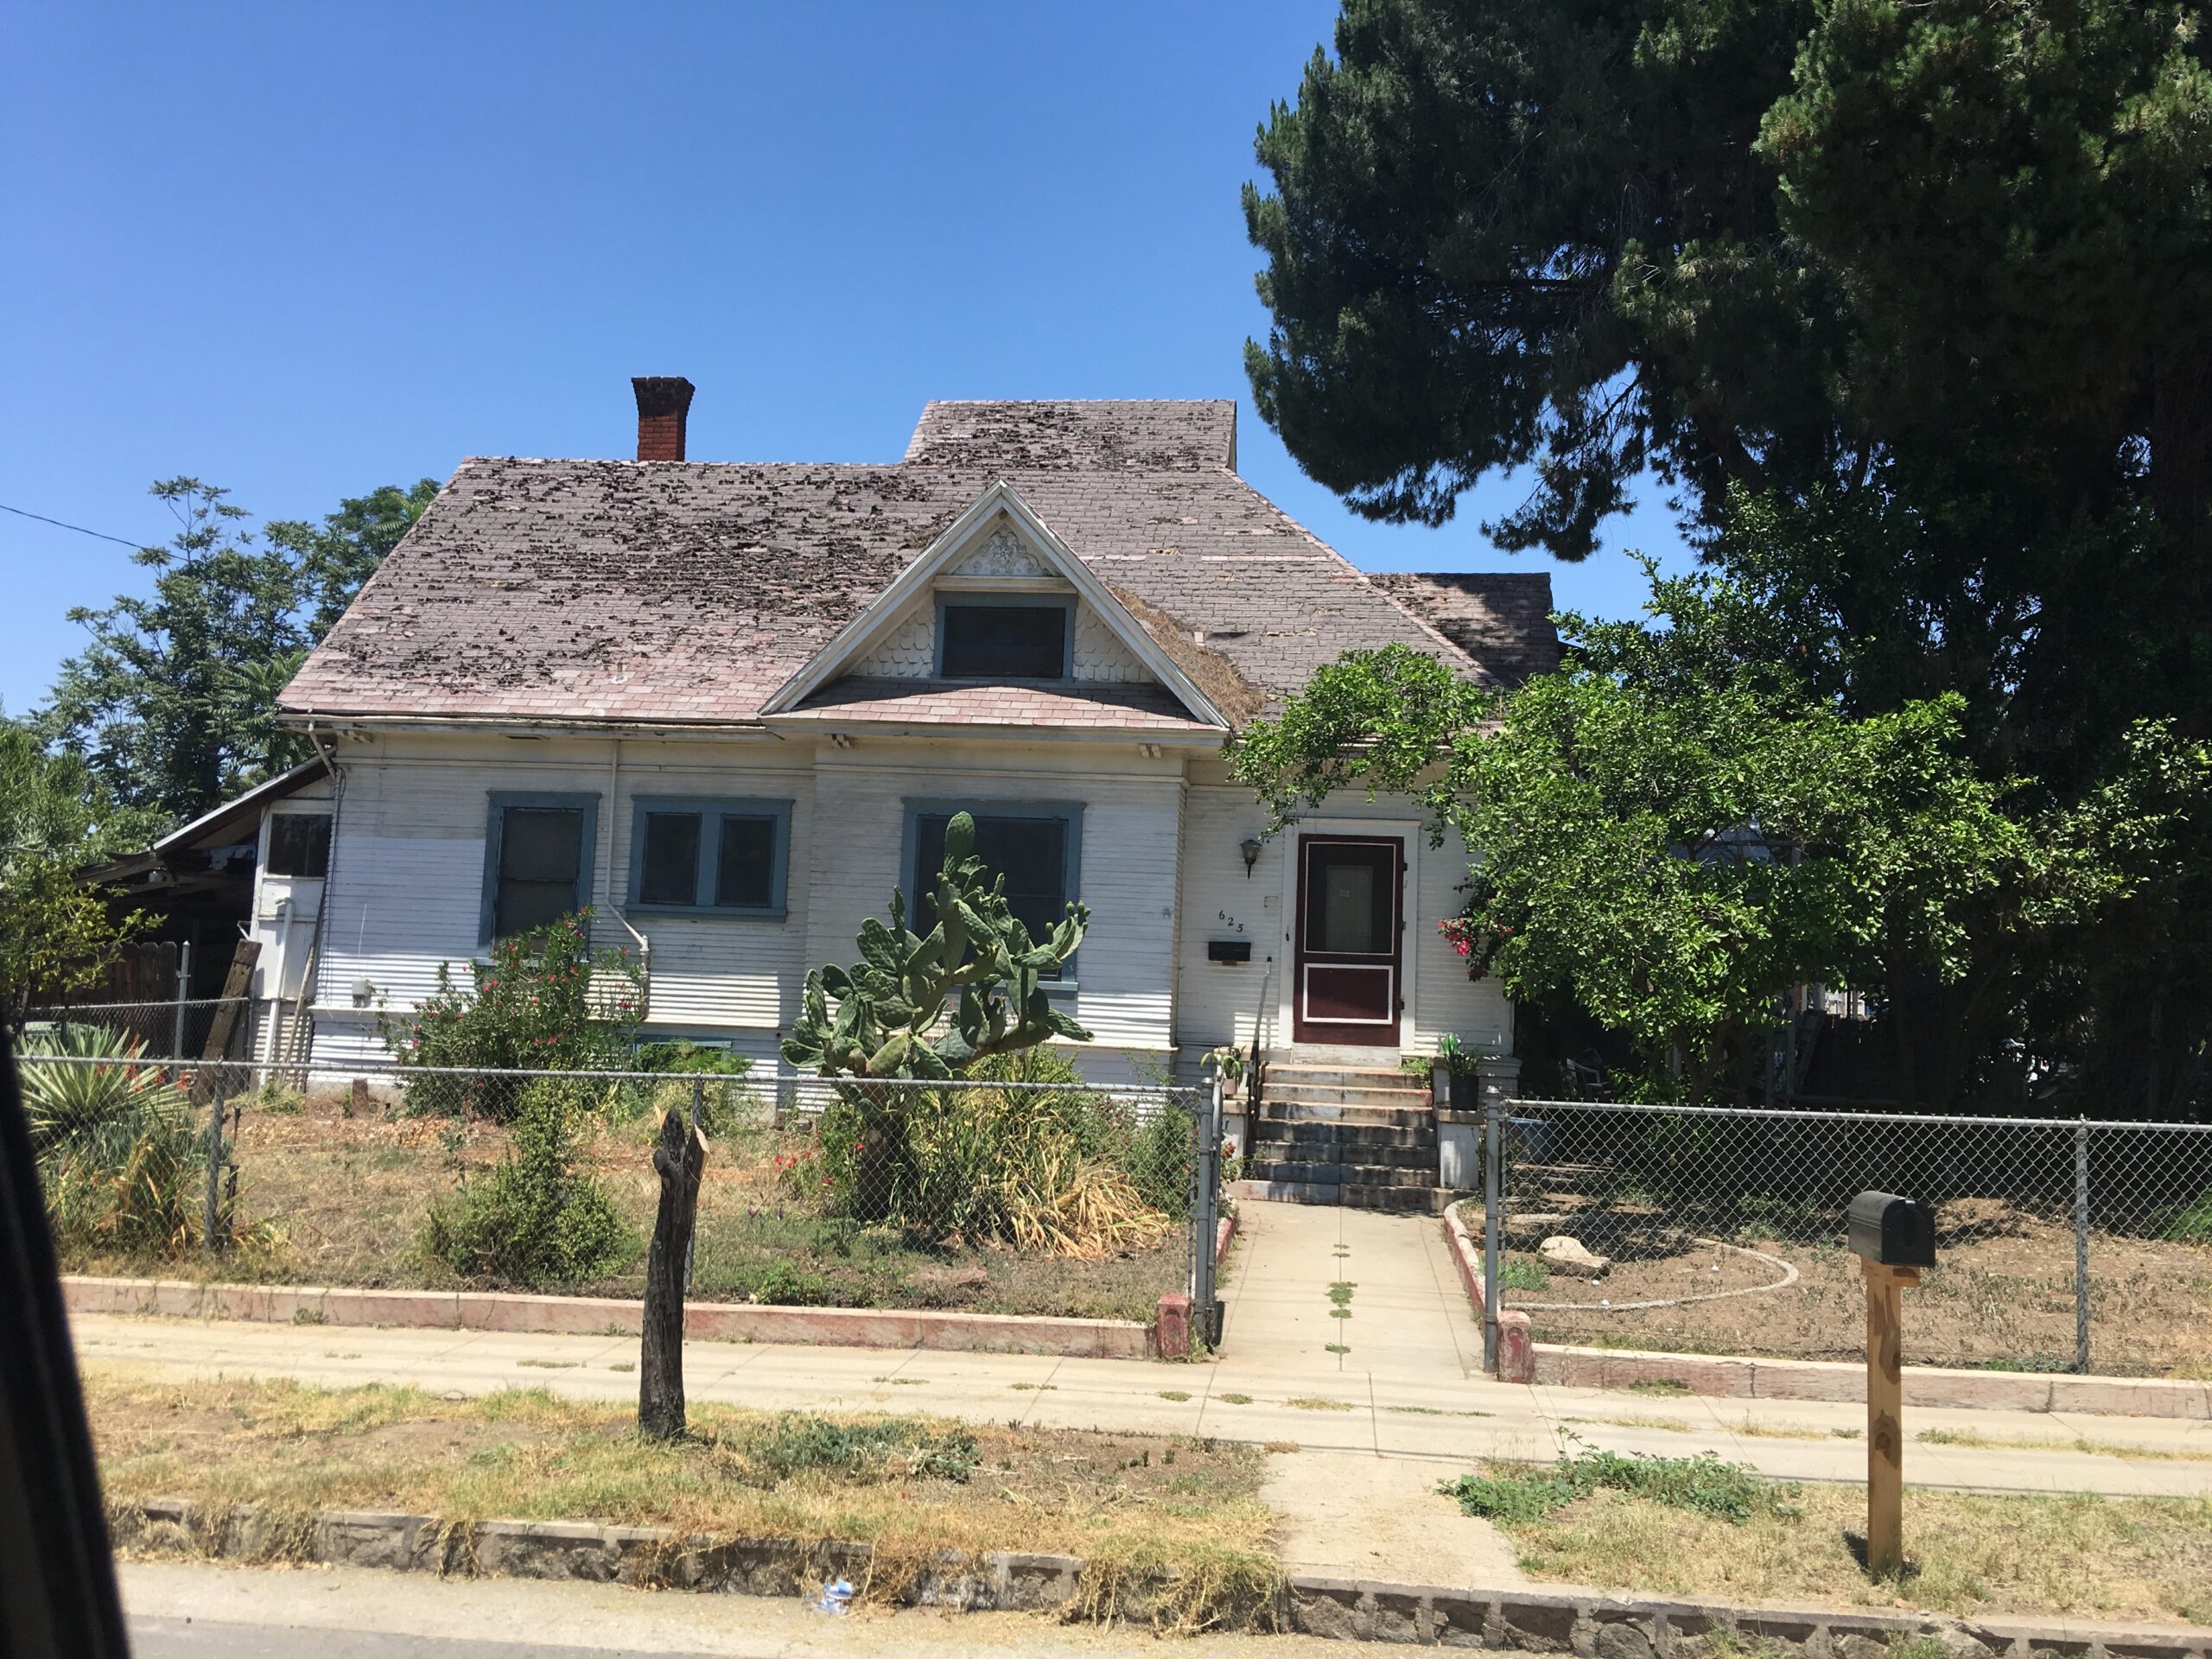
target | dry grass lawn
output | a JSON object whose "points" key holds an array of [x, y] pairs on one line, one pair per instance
{"points": [[1130, 1504], [344, 1197], [2087, 1556]]}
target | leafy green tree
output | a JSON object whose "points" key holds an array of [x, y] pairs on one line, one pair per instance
{"points": [[336, 556], [977, 968], [1764, 245], [1912, 308], [173, 704], [1676, 828], [1938, 277], [56, 935]]}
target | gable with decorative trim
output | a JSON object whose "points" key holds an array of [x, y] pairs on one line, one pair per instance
{"points": [[998, 547]]}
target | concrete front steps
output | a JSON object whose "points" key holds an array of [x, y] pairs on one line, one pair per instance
{"points": [[1334, 1133]]}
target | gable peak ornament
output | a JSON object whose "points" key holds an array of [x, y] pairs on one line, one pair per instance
{"points": [[1004, 554]]}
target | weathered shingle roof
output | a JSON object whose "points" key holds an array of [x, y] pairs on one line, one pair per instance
{"points": [[1120, 435], [672, 592], [1502, 620]]}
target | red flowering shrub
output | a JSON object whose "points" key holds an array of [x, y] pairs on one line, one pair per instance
{"points": [[546, 1000]]}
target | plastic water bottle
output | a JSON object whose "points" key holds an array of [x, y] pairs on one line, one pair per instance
{"points": [[834, 1599]]}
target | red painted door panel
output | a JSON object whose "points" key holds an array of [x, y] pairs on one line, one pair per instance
{"points": [[1350, 928]]}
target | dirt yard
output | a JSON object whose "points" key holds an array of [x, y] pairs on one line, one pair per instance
{"points": [[2003, 1296], [344, 1197]]}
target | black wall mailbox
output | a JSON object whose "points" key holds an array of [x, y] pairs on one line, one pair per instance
{"points": [[1229, 949], [1893, 1231]]}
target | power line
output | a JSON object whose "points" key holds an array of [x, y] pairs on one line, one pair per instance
{"points": [[79, 529]]}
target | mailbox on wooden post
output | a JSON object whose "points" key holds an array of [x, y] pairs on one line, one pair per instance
{"points": [[1894, 1238]]}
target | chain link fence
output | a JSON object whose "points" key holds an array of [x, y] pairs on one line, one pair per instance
{"points": [[2061, 1245], [1058, 1198], [172, 1028]]}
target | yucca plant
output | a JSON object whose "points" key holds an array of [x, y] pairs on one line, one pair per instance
{"points": [[117, 1155]]}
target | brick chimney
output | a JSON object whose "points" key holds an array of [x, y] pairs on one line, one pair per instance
{"points": [[664, 400]]}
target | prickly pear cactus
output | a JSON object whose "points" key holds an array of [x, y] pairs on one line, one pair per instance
{"points": [[925, 1006]]}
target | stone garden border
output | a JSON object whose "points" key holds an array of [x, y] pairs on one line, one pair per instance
{"points": [[1569, 1621]]}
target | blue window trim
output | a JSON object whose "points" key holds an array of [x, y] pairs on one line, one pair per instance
{"points": [[1007, 601], [1070, 813], [711, 811], [586, 806]]}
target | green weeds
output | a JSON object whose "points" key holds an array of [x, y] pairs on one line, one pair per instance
{"points": [[1729, 1492]]}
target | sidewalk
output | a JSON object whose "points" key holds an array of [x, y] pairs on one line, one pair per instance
{"points": [[1402, 1390]]}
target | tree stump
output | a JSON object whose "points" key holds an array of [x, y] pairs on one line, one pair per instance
{"points": [[679, 1159]]}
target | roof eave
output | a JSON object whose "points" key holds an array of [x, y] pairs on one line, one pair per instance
{"points": [[1207, 738], [497, 725]]}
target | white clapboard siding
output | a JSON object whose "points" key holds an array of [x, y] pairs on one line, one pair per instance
{"points": [[405, 892], [407, 876], [1125, 970], [1225, 1004], [1228, 1003]]}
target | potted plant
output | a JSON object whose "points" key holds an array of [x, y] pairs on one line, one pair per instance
{"points": [[1459, 1064]]}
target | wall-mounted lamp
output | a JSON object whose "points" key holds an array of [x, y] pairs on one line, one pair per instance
{"points": [[1251, 851]]}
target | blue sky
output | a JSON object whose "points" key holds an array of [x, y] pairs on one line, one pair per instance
{"points": [[303, 250]]}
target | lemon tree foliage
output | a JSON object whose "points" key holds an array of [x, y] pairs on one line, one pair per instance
{"points": [[1677, 827], [928, 1005]]}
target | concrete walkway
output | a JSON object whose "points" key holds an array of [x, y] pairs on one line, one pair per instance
{"points": [[1401, 1393], [1396, 1309], [1365, 1413]]}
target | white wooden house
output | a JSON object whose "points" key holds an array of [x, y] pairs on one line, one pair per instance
{"points": [[729, 706]]}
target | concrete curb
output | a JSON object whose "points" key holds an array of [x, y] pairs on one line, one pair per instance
{"points": [[1814, 1379], [1747, 1378], [1583, 1622], [1515, 1352], [1224, 1230], [446, 1309]]}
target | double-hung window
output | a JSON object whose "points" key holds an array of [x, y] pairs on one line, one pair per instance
{"points": [[537, 860], [709, 857], [1004, 636], [1037, 846]]}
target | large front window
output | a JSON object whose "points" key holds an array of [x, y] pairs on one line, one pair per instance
{"points": [[1035, 849]]}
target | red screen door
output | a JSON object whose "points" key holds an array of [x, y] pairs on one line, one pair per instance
{"points": [[1347, 954]]}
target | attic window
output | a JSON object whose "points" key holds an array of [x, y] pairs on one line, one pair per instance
{"points": [[996, 637]]}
